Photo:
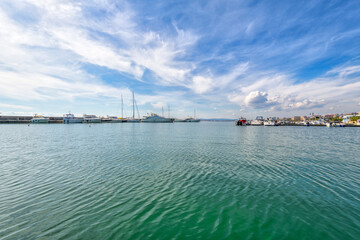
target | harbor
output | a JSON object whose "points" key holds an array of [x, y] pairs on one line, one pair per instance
{"points": [[89, 119]]}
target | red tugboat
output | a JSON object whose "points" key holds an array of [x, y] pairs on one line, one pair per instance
{"points": [[241, 122]]}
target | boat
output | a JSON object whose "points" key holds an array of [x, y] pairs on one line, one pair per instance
{"points": [[113, 119], [91, 119], [256, 122], [333, 124], [154, 118], [241, 122], [270, 123], [70, 118], [180, 120], [39, 119], [192, 119]]}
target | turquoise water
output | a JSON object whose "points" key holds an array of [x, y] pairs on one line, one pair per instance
{"points": [[202, 180]]}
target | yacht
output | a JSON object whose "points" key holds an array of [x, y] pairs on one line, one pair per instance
{"points": [[190, 119], [70, 118], [39, 119], [270, 123], [91, 119], [114, 119], [256, 122], [180, 120], [154, 118]]}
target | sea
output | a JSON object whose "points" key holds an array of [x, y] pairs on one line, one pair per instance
{"points": [[207, 180]]}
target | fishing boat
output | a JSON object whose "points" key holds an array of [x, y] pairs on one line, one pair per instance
{"points": [[91, 119], [39, 119], [154, 118], [70, 118]]}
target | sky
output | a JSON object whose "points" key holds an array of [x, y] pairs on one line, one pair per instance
{"points": [[224, 59]]}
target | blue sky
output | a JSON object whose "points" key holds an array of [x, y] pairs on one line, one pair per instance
{"points": [[223, 58]]}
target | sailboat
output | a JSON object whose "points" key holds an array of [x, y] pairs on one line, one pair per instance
{"points": [[190, 119], [133, 119]]}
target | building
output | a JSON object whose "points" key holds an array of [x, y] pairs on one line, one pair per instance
{"points": [[296, 118]]}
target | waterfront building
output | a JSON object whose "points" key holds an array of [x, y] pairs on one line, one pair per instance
{"points": [[296, 118]]}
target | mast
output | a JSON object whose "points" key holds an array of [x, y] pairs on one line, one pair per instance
{"points": [[133, 106], [169, 110], [194, 114], [162, 108], [122, 107]]}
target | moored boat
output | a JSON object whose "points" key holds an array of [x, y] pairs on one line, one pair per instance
{"points": [[256, 122], [70, 118], [180, 120], [190, 119], [270, 123], [91, 119], [241, 122], [39, 119], [154, 118]]}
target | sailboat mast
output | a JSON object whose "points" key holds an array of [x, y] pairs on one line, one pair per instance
{"points": [[133, 106], [122, 107], [169, 110], [194, 114], [162, 109]]}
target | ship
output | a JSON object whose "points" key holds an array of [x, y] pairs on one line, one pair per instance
{"points": [[70, 118], [154, 118], [39, 119]]}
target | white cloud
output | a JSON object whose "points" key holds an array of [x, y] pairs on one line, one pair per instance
{"points": [[201, 84], [307, 104], [15, 106], [158, 105], [256, 99]]}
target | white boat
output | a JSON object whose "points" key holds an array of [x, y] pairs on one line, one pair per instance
{"points": [[131, 120], [256, 122], [91, 119], [180, 120], [70, 118], [190, 119], [329, 124], [154, 118], [114, 119], [39, 119], [270, 123]]}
